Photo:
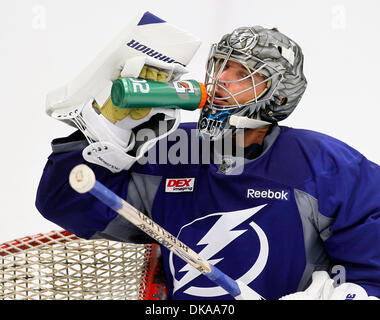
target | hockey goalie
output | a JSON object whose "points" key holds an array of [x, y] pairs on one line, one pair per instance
{"points": [[274, 207]]}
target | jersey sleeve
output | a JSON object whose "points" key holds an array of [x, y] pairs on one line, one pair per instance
{"points": [[83, 214], [350, 194]]}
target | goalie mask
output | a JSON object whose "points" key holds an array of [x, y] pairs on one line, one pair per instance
{"points": [[267, 88]]}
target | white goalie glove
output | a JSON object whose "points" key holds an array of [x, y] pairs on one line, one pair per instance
{"points": [[109, 130], [322, 288], [148, 48]]}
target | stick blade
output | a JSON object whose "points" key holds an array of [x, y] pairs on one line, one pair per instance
{"points": [[82, 178]]}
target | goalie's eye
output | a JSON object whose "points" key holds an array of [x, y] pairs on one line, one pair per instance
{"points": [[243, 73]]}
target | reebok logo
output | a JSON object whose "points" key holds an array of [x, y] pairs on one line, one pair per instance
{"points": [[179, 185], [268, 194]]}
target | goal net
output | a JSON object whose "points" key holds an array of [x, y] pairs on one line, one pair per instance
{"points": [[60, 266]]}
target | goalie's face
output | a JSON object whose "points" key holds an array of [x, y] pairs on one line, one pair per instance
{"points": [[232, 87], [236, 84]]}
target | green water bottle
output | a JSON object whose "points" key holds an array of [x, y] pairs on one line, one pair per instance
{"points": [[141, 93]]}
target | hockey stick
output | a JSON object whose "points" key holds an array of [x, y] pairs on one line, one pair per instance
{"points": [[82, 179]]}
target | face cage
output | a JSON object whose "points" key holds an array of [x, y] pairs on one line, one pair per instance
{"points": [[212, 81], [214, 118]]}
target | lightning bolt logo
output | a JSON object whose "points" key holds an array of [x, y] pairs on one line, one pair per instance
{"points": [[218, 237]]}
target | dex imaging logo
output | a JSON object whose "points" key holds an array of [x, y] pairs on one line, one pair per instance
{"points": [[179, 185]]}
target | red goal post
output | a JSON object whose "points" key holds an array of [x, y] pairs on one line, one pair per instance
{"points": [[60, 266]]}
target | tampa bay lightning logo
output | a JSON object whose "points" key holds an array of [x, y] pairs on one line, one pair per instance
{"points": [[225, 234], [242, 38]]}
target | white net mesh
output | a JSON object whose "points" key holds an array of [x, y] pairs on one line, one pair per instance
{"points": [[61, 266]]}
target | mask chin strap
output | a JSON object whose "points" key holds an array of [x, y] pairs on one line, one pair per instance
{"points": [[246, 123]]}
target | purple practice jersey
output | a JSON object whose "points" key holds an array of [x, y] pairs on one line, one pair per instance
{"points": [[308, 202]]}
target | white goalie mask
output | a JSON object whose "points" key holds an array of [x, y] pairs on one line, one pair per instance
{"points": [[272, 81]]}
